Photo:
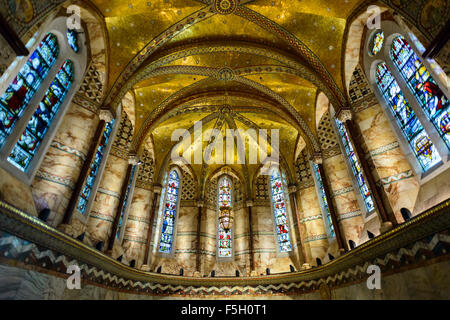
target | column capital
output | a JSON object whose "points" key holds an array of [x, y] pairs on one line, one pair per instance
{"points": [[157, 188], [134, 159], [200, 203], [344, 114], [292, 188], [106, 115], [317, 158], [249, 203]]}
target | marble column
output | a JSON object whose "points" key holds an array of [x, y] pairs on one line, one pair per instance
{"points": [[107, 199], [251, 245], [317, 159], [200, 205], [133, 162], [297, 227], [315, 238], [56, 179], [349, 215], [345, 116], [151, 226], [137, 226]]}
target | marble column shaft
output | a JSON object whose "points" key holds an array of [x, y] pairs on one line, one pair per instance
{"points": [[107, 199], [344, 197], [353, 135], [137, 227], [315, 236]]}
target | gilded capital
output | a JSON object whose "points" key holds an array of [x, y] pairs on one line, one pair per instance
{"points": [[106, 115], [317, 158], [344, 114]]}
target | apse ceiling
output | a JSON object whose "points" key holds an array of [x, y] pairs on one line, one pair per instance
{"points": [[266, 60]]}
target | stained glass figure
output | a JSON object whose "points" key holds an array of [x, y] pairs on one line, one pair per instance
{"points": [[170, 212], [225, 237], [356, 167], [72, 40], [323, 199], [427, 92], [280, 212], [22, 89], [23, 152], [377, 43], [95, 166], [412, 128], [125, 201]]}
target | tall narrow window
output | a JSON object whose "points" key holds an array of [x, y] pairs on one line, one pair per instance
{"points": [[430, 97], [72, 40], [225, 237], [28, 144], [170, 212], [356, 167], [19, 93], [125, 201], [412, 129], [323, 199], [280, 212], [93, 170]]}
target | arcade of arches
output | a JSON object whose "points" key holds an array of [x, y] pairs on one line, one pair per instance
{"points": [[345, 104]]}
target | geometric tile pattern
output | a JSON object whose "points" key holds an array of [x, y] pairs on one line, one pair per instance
{"points": [[92, 87], [22, 252], [262, 187], [325, 132], [303, 171], [146, 171], [188, 186], [359, 86]]}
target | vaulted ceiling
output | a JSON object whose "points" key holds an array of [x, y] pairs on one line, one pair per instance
{"points": [[265, 60]]}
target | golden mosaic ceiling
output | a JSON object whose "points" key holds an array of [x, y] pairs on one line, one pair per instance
{"points": [[285, 52]]}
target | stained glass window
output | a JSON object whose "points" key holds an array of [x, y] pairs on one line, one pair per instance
{"points": [[19, 93], [377, 43], [279, 211], [323, 198], [95, 166], [356, 167], [431, 98], [225, 237], [420, 143], [72, 39], [28, 144], [125, 201], [170, 211]]}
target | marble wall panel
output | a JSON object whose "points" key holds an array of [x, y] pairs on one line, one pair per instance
{"points": [[16, 193], [58, 174], [389, 161]]}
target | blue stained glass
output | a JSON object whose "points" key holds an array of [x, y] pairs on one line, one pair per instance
{"points": [[170, 211], [125, 201], [421, 145], [323, 198], [280, 213], [225, 237], [93, 170], [22, 89], [28, 144], [427, 92], [72, 39], [356, 168]]}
